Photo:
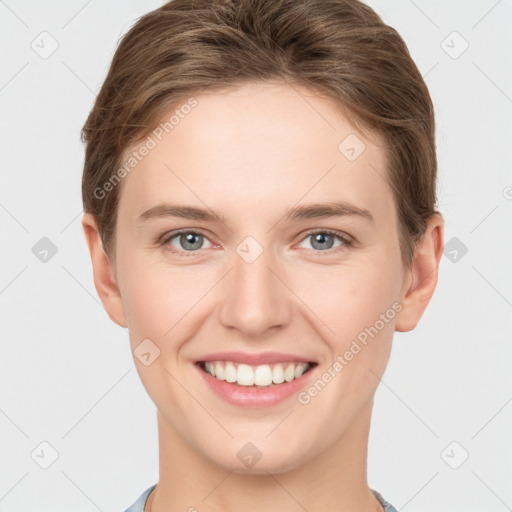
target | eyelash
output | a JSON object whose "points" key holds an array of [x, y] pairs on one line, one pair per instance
{"points": [[347, 242]]}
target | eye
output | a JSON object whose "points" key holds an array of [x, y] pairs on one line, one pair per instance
{"points": [[186, 241], [323, 240], [183, 242]]}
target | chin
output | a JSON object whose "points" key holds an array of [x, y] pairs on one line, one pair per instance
{"points": [[264, 462]]}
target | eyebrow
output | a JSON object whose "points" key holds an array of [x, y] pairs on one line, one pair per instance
{"points": [[308, 211]]}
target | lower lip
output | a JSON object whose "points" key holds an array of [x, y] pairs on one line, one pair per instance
{"points": [[250, 396]]}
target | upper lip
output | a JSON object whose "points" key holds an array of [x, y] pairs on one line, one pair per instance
{"points": [[255, 359]]}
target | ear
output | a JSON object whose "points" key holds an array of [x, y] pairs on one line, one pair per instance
{"points": [[421, 279], [104, 276]]}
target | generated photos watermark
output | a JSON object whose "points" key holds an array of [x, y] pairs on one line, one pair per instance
{"points": [[144, 149], [342, 360]]}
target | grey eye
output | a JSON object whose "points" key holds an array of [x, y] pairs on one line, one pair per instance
{"points": [[322, 241], [188, 241]]}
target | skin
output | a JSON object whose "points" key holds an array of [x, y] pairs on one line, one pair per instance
{"points": [[249, 154]]}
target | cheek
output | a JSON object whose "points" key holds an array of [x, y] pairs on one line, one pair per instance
{"points": [[161, 300], [159, 303], [358, 306], [347, 299]]}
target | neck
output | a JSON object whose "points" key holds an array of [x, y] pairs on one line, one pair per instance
{"points": [[333, 480]]}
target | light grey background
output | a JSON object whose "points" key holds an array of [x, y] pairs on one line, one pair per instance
{"points": [[67, 376]]}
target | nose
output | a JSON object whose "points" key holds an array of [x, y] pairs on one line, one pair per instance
{"points": [[255, 298]]}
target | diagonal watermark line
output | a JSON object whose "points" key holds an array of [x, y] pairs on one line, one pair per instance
{"points": [[298, 92], [410, 499], [96, 404], [503, 407], [13, 279], [81, 491], [382, 382], [76, 14], [301, 300], [199, 403], [73, 73], [14, 76], [5, 495], [508, 508], [192, 307], [13, 13], [217, 486], [92, 296], [285, 490], [14, 423], [492, 81], [71, 221], [485, 15], [279, 423], [221, 220], [432, 68], [424, 14], [385, 179], [487, 281], [301, 198], [83, 287], [492, 211], [14, 218]]}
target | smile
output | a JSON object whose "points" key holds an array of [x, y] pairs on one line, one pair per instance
{"points": [[264, 375]]}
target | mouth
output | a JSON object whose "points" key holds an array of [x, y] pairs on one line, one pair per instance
{"points": [[256, 376]]}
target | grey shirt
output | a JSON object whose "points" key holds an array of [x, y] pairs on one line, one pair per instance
{"points": [[138, 506]]}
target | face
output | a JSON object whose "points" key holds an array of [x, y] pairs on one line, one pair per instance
{"points": [[296, 253]]}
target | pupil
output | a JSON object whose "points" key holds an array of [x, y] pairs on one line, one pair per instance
{"points": [[321, 238], [189, 240]]}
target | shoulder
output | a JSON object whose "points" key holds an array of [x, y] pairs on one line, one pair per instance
{"points": [[138, 506], [387, 506]]}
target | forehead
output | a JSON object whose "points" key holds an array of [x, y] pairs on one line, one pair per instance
{"points": [[258, 145]]}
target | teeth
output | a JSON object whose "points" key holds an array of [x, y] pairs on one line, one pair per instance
{"points": [[230, 372], [262, 375], [245, 375], [289, 373], [278, 374], [219, 371]]}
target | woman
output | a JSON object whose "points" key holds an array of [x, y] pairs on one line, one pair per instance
{"points": [[229, 142]]}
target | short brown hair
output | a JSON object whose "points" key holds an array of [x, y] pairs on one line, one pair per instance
{"points": [[339, 48]]}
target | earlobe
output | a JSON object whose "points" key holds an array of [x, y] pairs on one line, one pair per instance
{"points": [[421, 278], [104, 278]]}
